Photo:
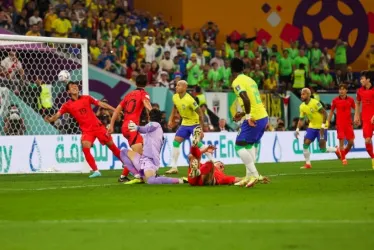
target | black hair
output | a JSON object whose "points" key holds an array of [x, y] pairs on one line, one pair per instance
{"points": [[141, 81], [237, 65], [198, 89], [155, 115], [70, 83], [368, 75], [343, 86], [302, 66]]}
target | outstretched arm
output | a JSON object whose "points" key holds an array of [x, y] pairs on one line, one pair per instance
{"points": [[116, 113], [150, 127], [105, 106], [53, 118]]}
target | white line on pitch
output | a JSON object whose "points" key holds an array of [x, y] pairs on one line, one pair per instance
{"points": [[197, 221], [308, 172]]}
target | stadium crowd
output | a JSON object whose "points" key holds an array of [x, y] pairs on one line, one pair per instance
{"points": [[132, 42]]}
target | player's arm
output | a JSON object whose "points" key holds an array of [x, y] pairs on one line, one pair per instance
{"points": [[357, 110], [171, 123], [53, 118], [115, 115], [148, 128], [331, 114], [201, 115], [147, 104], [299, 123], [105, 106]]}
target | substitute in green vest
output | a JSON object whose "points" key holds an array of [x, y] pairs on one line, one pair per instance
{"points": [[341, 56], [200, 96], [45, 103], [299, 78]]}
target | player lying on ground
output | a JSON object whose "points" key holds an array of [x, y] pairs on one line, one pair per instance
{"points": [[209, 173], [316, 114], [256, 120], [365, 95], [132, 106], [192, 117], [80, 108], [147, 164], [343, 105]]}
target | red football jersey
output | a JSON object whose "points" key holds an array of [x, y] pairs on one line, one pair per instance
{"points": [[133, 105], [366, 97], [343, 109], [82, 112]]}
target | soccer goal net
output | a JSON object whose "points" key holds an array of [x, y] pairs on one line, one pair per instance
{"points": [[31, 89]]}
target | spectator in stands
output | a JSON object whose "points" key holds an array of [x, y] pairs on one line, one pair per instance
{"points": [[302, 59], [265, 51], [352, 79], [95, 52], [150, 51], [207, 123], [34, 30], [5, 19], [61, 27], [218, 59], [173, 83], [285, 70], [21, 26], [215, 78], [270, 83], [315, 56], [35, 18], [273, 67], [164, 122], [106, 59], [280, 125], [11, 67], [13, 122], [193, 71], [199, 96], [167, 64], [325, 58], [258, 75], [326, 79], [226, 75], [315, 79], [163, 81], [299, 79], [200, 58], [222, 125], [210, 31], [340, 50], [155, 106], [43, 92], [339, 78]]}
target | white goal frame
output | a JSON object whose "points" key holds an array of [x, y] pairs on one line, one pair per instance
{"points": [[41, 39]]}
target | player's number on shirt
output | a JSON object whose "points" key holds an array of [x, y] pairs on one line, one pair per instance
{"points": [[82, 111], [130, 106]]}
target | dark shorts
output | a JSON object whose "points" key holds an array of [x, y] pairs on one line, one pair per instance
{"points": [[311, 134], [251, 135], [185, 131]]}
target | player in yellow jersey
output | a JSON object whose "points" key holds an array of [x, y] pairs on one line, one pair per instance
{"points": [[192, 117], [316, 114], [253, 128]]}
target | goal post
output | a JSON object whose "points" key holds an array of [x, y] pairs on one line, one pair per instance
{"points": [[29, 91]]}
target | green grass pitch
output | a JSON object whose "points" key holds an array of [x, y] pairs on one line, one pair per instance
{"points": [[327, 207]]}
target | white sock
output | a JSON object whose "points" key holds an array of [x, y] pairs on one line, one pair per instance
{"points": [[209, 156], [253, 152], [248, 162], [174, 158], [306, 155], [331, 150]]}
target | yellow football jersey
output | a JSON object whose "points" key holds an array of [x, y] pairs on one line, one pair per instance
{"points": [[311, 111], [247, 84], [186, 107]]}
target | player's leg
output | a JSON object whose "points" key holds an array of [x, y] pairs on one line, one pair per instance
{"points": [[180, 136], [135, 141], [310, 136], [133, 162], [368, 129], [87, 141], [322, 143], [150, 178], [196, 140]]}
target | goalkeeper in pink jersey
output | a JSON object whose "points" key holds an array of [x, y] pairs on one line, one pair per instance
{"points": [[147, 164]]}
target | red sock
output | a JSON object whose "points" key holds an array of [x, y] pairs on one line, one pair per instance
{"points": [[115, 150], [369, 149], [343, 153], [125, 171], [346, 151], [89, 158]]}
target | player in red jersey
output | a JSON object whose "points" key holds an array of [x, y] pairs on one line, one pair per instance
{"points": [[343, 105], [79, 106], [365, 95], [132, 106], [208, 173]]}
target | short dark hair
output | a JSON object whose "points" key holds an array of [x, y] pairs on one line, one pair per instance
{"points": [[155, 115], [302, 66], [70, 83], [198, 89], [368, 75], [343, 86], [141, 81], [237, 65]]}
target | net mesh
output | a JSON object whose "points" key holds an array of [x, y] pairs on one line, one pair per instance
{"points": [[30, 88]]}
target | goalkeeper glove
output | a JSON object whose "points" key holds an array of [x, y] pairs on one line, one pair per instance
{"points": [[132, 126]]}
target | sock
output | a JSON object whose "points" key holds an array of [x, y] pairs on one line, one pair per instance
{"points": [[162, 180], [253, 153], [125, 172], [306, 154], [129, 164], [89, 158], [331, 149], [346, 151], [175, 154], [369, 149], [247, 159], [343, 153]]}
